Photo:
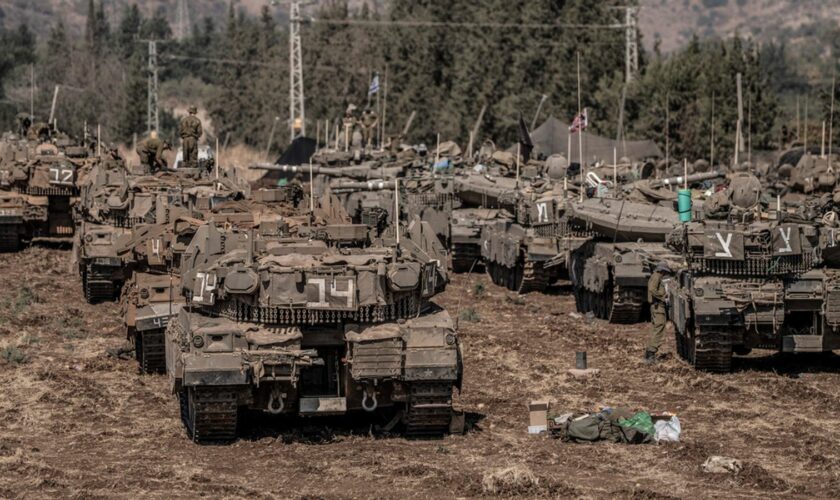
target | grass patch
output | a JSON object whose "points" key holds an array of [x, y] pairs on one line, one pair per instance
{"points": [[470, 314], [13, 355], [479, 290]]}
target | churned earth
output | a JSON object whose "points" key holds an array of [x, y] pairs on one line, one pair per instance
{"points": [[76, 421]]}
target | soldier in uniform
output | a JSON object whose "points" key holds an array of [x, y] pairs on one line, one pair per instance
{"points": [[349, 124], [369, 121], [190, 131], [151, 153], [24, 122], [656, 298]]}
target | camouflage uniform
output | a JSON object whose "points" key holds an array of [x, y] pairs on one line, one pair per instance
{"points": [[190, 131], [369, 122], [150, 152], [656, 298]]}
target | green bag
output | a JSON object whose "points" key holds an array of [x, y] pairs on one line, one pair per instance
{"points": [[639, 428]]}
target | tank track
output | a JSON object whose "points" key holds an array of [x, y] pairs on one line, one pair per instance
{"points": [[429, 409], [209, 414], [707, 350], [534, 277], [9, 239], [98, 286], [465, 257], [627, 306], [150, 350]]}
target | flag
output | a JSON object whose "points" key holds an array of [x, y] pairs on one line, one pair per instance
{"points": [[374, 85], [580, 122], [525, 143]]}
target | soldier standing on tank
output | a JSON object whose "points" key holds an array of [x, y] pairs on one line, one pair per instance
{"points": [[150, 152], [658, 319], [190, 131], [349, 123], [369, 121], [24, 122]]}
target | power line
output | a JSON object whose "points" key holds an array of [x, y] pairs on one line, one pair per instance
{"points": [[462, 24]]}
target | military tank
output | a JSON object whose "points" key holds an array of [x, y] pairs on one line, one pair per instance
{"points": [[37, 190], [610, 271], [466, 226], [313, 325], [753, 280], [151, 296]]}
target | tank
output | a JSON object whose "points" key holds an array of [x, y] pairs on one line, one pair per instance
{"points": [[113, 202], [466, 227], [754, 279], [610, 271], [313, 325], [37, 190]]}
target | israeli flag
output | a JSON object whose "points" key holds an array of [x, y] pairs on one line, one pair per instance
{"points": [[374, 85]]}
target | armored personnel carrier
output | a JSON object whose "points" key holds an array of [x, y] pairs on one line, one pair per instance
{"points": [[753, 280], [37, 188], [323, 322]]}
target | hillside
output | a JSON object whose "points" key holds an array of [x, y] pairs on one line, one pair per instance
{"points": [[673, 21]]}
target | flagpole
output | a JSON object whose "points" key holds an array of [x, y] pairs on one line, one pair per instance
{"points": [[580, 132], [378, 108], [384, 110]]}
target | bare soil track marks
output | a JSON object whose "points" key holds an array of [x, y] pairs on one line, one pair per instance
{"points": [[76, 422]]}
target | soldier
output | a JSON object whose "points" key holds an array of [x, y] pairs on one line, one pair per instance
{"points": [[349, 123], [151, 153], [369, 121], [656, 298], [24, 122], [190, 131]]}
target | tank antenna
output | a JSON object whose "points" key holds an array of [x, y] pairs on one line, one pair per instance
{"points": [[518, 148], [615, 170], [685, 172], [831, 117], [217, 158], [397, 208]]}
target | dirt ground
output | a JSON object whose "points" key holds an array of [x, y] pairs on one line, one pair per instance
{"points": [[78, 422]]}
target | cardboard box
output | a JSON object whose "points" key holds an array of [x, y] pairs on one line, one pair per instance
{"points": [[538, 416]]}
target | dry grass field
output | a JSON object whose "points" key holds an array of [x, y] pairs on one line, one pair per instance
{"points": [[77, 422]]}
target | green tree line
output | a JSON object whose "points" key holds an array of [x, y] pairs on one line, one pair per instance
{"points": [[505, 54]]}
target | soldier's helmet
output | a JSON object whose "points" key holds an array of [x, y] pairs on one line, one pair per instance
{"points": [[745, 190], [192, 110]]}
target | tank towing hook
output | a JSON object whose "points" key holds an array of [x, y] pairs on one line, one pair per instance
{"points": [[275, 402], [372, 406]]}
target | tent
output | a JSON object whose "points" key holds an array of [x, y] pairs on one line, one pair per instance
{"points": [[552, 137]]}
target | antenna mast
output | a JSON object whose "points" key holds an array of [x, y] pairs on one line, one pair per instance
{"points": [[297, 117], [152, 122]]}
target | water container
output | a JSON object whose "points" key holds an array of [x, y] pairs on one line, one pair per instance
{"points": [[684, 205]]}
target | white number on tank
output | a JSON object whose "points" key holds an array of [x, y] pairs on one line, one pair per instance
{"points": [[205, 288], [61, 175]]}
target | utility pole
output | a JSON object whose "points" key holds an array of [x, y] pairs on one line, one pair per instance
{"points": [[152, 122], [631, 42], [297, 116], [182, 24]]}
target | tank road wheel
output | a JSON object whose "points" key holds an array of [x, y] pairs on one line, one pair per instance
{"points": [[429, 409], [710, 349], [209, 413], [9, 239], [150, 350]]}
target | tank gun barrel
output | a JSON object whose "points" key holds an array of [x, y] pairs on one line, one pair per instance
{"points": [[372, 185], [680, 179], [359, 172]]}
